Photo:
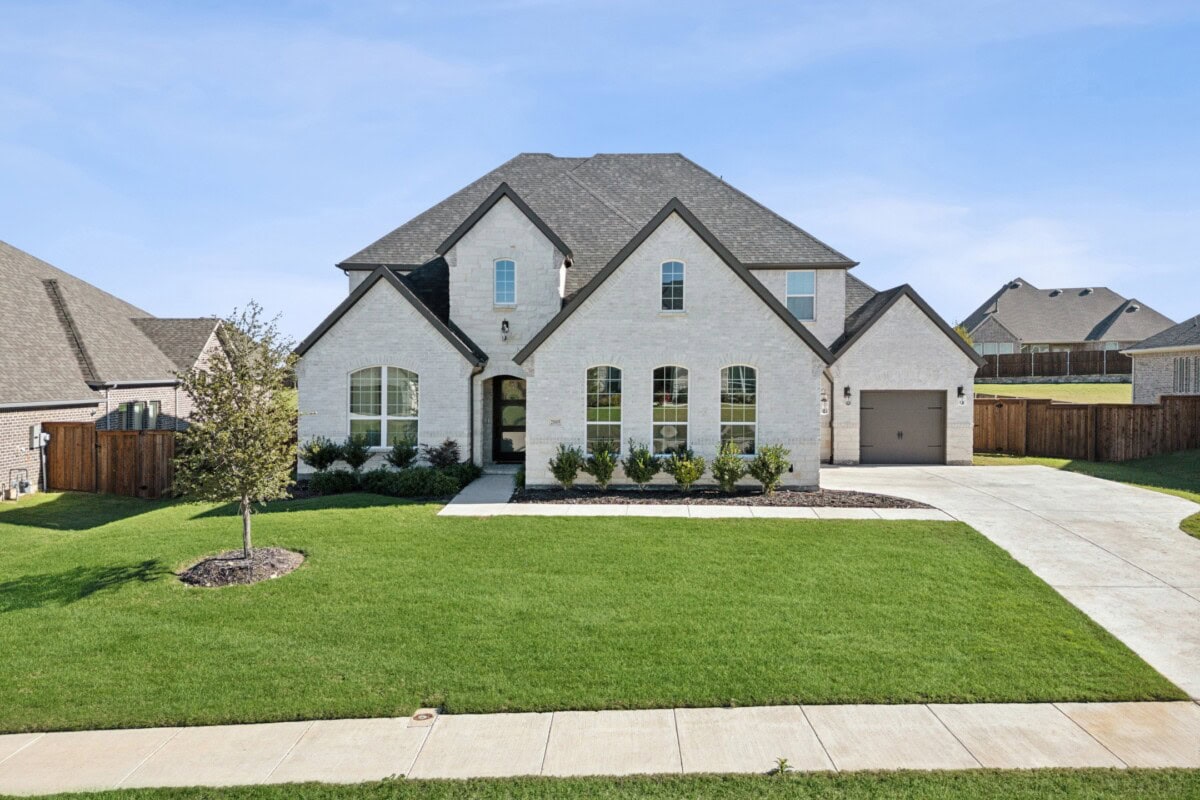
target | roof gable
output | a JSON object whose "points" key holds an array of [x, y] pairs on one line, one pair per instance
{"points": [[858, 323], [1184, 335], [502, 191], [675, 207]]}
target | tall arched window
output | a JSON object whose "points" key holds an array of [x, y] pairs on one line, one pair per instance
{"points": [[739, 407], [603, 408], [384, 405], [670, 411]]}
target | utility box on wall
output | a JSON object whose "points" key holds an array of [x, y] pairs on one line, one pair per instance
{"points": [[35, 436]]}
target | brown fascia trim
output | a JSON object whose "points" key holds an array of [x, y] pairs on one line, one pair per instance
{"points": [[503, 190], [676, 206], [45, 405], [802, 266], [907, 291], [382, 273]]}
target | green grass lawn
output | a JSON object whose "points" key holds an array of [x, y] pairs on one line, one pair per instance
{"points": [[1063, 392], [1085, 784], [1174, 473], [396, 608]]}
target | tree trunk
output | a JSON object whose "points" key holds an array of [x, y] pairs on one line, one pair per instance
{"points": [[246, 545]]}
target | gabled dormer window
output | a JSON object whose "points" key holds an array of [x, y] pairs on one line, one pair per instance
{"points": [[802, 295], [672, 286], [504, 282]]}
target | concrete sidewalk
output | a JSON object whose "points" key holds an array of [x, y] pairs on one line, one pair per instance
{"points": [[702, 740]]}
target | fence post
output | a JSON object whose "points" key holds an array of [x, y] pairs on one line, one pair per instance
{"points": [[1105, 368], [1068, 363], [1032, 364]]}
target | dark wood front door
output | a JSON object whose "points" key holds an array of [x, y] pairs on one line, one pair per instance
{"points": [[508, 421]]}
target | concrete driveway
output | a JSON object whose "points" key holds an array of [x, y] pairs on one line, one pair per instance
{"points": [[1115, 551]]}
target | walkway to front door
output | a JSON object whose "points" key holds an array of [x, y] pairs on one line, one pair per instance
{"points": [[508, 420]]}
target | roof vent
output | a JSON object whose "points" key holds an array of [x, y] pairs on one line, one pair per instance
{"points": [[1133, 308], [1015, 285], [1086, 292], [1055, 292]]}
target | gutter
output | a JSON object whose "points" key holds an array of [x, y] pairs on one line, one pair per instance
{"points": [[31, 406], [1179, 348], [129, 384]]}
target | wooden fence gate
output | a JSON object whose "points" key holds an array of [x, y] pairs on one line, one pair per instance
{"points": [[132, 463]]}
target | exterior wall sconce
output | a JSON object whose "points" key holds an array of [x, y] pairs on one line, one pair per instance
{"points": [[846, 395], [504, 333], [962, 396], [824, 404]]}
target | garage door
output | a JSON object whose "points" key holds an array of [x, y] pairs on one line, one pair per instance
{"points": [[903, 428]]}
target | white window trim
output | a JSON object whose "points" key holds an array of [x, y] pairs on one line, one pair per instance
{"points": [[495, 301], [788, 296], [587, 423], [687, 426], [683, 300], [383, 416], [720, 422]]}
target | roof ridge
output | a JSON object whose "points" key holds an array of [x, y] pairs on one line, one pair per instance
{"points": [[86, 366], [570, 174]]}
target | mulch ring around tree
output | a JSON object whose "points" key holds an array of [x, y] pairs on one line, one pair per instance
{"points": [[711, 496], [230, 569]]}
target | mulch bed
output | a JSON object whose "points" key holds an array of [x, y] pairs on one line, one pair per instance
{"points": [[711, 496], [230, 569]]}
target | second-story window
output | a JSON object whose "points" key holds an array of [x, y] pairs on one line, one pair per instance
{"points": [[802, 295], [505, 283], [672, 286]]}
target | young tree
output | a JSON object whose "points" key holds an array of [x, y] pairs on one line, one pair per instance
{"points": [[240, 445]]}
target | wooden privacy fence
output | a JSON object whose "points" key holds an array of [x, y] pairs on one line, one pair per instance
{"points": [[81, 458], [1098, 432], [1055, 365]]}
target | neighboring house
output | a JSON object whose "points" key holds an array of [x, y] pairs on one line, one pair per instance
{"points": [[1167, 363], [1021, 318], [73, 353], [596, 300]]}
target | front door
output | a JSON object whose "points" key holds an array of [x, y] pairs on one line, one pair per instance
{"points": [[508, 421]]}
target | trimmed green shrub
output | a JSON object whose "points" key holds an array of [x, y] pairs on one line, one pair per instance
{"points": [[402, 455], [424, 482], [601, 465], [640, 465], [519, 480], [378, 481], [320, 453], [728, 467], [444, 455], [356, 451], [685, 467], [463, 472], [336, 481], [566, 464], [769, 465]]}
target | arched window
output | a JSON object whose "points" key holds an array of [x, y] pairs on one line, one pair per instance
{"points": [[672, 286], [670, 411], [384, 405], [739, 407], [603, 408], [505, 282]]}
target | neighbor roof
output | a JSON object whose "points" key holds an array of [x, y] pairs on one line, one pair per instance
{"points": [[1079, 314], [1185, 335], [64, 337], [595, 205]]}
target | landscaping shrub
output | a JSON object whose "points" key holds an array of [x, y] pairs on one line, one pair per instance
{"points": [[640, 465], [685, 467], [379, 481], [601, 465], [402, 455], [769, 465], [424, 482], [336, 481], [463, 472], [320, 453], [728, 467], [519, 480], [566, 464], [356, 451], [443, 455]]}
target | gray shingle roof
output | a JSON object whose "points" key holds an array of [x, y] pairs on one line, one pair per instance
{"points": [[1077, 314], [858, 293], [62, 333], [181, 339], [597, 204], [1185, 334]]}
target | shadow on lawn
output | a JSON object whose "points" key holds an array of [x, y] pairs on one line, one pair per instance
{"points": [[75, 511], [353, 500], [64, 588]]}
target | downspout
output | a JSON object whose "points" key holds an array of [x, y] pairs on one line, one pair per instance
{"points": [[476, 370], [832, 428]]}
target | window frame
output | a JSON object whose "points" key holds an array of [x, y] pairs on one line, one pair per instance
{"points": [[686, 423], [149, 410], [496, 285], [721, 422], [662, 287], [383, 417], [788, 295], [587, 407]]}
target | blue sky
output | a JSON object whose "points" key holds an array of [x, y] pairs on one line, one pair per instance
{"points": [[188, 157]]}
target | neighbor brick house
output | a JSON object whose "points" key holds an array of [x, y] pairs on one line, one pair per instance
{"points": [[1167, 363], [596, 300], [73, 353]]}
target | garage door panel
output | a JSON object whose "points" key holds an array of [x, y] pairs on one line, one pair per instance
{"points": [[902, 427]]}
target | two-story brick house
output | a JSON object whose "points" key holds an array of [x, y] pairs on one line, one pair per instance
{"points": [[617, 297]]}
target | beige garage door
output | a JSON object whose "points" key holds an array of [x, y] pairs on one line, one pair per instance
{"points": [[903, 428]]}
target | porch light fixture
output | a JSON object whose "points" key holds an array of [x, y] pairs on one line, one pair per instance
{"points": [[504, 330], [962, 396], [824, 403], [846, 395]]}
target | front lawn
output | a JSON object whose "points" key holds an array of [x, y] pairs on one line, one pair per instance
{"points": [[396, 608], [1062, 392]]}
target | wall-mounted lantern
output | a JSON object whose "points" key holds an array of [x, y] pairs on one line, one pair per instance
{"points": [[824, 403], [846, 395], [962, 396], [504, 331]]}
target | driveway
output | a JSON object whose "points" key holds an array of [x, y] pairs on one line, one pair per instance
{"points": [[1115, 551]]}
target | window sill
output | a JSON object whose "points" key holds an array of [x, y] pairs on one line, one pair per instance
{"points": [[504, 306], [663, 313]]}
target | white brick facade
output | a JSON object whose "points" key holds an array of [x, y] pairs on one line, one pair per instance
{"points": [[1154, 373], [724, 324], [830, 322], [904, 350]]}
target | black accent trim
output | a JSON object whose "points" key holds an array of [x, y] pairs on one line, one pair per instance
{"points": [[676, 206], [813, 265], [464, 345], [351, 266], [905, 290], [503, 190]]}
